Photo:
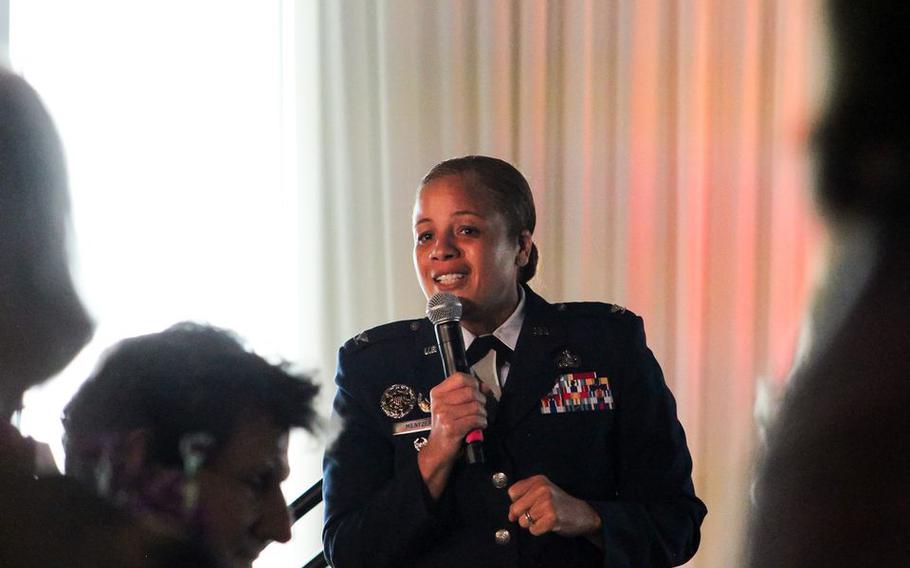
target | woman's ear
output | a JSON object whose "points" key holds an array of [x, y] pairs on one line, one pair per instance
{"points": [[525, 241]]}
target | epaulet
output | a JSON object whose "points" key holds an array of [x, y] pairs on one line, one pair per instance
{"points": [[596, 309], [382, 333]]}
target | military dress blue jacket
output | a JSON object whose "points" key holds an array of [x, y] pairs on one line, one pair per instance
{"points": [[585, 404]]}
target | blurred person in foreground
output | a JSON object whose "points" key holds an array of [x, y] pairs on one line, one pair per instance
{"points": [[45, 520], [188, 429], [586, 463], [42, 321], [834, 487]]}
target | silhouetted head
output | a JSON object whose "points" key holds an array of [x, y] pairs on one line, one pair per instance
{"points": [[863, 140], [43, 324]]}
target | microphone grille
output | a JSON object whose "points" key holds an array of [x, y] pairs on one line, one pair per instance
{"points": [[444, 307]]}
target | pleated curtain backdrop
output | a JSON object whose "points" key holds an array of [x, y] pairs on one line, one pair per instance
{"points": [[665, 145]]}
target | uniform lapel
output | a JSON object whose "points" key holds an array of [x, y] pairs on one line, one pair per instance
{"points": [[427, 362], [533, 370]]}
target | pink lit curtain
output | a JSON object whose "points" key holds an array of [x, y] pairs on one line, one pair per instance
{"points": [[665, 144]]}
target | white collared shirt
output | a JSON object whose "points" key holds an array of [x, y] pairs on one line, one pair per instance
{"points": [[507, 333]]}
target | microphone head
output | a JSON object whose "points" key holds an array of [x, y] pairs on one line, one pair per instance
{"points": [[444, 307]]}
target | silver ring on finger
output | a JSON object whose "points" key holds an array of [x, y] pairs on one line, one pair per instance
{"points": [[529, 517]]}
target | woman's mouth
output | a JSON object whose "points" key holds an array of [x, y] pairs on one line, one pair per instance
{"points": [[448, 278]]}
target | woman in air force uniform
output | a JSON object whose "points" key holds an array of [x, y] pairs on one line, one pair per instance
{"points": [[585, 462]]}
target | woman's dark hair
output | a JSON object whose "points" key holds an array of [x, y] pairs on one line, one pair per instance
{"points": [[508, 189]]}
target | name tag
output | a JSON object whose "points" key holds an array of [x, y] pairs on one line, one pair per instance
{"points": [[410, 426]]}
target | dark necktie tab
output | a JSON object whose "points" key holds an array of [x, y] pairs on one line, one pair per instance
{"points": [[483, 344]]}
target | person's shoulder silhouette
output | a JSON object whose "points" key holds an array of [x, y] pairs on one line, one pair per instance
{"points": [[830, 491]]}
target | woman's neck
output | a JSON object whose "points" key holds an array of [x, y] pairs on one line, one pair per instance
{"points": [[488, 321]]}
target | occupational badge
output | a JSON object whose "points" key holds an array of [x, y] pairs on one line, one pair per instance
{"points": [[420, 442], [423, 403], [397, 401], [567, 360]]}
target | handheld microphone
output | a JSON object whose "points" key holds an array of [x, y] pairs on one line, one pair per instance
{"points": [[444, 311]]}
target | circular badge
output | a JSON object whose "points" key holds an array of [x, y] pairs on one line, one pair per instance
{"points": [[397, 401]]}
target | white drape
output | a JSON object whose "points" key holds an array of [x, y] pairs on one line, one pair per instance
{"points": [[662, 140]]}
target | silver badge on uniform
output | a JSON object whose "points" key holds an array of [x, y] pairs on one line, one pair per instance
{"points": [[420, 442], [397, 401], [567, 360]]}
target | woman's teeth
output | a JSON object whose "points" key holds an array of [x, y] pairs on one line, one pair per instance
{"points": [[448, 278]]}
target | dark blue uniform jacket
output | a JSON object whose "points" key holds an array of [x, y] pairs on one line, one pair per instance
{"points": [[630, 462]]}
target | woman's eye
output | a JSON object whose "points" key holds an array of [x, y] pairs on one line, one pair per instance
{"points": [[469, 231], [424, 237]]}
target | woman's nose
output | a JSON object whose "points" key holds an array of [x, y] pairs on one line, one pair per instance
{"points": [[444, 249]]}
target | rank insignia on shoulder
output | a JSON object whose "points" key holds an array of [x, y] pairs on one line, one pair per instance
{"points": [[578, 392], [397, 401], [567, 360], [430, 350], [362, 338], [616, 309], [415, 325]]}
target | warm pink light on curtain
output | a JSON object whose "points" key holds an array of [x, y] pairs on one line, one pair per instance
{"points": [[646, 223], [797, 234]]}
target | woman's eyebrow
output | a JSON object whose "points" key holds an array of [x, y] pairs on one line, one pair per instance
{"points": [[455, 214], [467, 212]]}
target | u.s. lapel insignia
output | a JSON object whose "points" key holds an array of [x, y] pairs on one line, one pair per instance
{"points": [[420, 442], [430, 350], [423, 403], [397, 401], [567, 360], [540, 330]]}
